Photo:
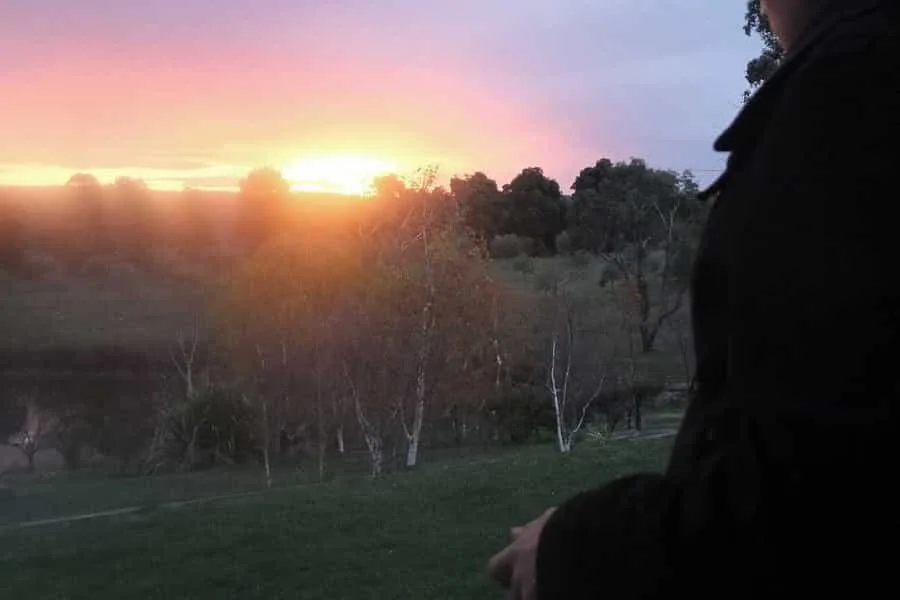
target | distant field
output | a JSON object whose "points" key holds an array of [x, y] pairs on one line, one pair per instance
{"points": [[114, 304], [603, 318], [424, 535], [122, 307]]}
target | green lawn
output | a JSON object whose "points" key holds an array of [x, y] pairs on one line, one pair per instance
{"points": [[40, 497], [423, 535]]}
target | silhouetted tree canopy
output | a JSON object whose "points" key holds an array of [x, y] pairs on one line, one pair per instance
{"points": [[536, 208], [83, 180], [262, 205], [760, 68], [12, 238], [618, 204], [484, 209]]}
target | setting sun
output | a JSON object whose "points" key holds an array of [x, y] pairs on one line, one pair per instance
{"points": [[341, 174]]}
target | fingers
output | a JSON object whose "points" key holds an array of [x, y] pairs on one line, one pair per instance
{"points": [[522, 587], [500, 567]]}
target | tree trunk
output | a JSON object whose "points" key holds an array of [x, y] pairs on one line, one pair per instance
{"points": [[648, 337], [340, 439], [457, 426], [648, 331], [376, 454], [323, 448], [558, 403], [191, 455], [636, 412], [373, 439], [415, 434], [266, 443], [338, 409], [277, 449], [267, 466], [71, 454], [321, 426]]}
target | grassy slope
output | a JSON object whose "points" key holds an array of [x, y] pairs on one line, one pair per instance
{"points": [[95, 489], [423, 535], [603, 316]]}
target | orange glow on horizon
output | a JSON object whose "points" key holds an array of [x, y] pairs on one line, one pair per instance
{"points": [[329, 125], [347, 174]]}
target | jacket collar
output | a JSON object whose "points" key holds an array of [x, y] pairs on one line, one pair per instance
{"points": [[748, 124]]}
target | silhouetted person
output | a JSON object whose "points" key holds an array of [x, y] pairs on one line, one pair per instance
{"points": [[782, 477]]}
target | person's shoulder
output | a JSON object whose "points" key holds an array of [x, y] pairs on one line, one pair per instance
{"points": [[852, 68], [871, 34]]}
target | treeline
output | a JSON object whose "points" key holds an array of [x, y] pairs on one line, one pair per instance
{"points": [[529, 215], [381, 324]]}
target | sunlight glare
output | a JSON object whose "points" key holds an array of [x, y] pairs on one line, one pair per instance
{"points": [[341, 174]]}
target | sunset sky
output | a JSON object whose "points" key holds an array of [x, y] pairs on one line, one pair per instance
{"points": [[197, 92]]}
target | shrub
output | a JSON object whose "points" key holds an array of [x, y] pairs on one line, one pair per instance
{"points": [[564, 244], [609, 275], [216, 426], [581, 260], [521, 412], [550, 277], [505, 246], [524, 265]]}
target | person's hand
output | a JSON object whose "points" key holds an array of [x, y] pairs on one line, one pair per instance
{"points": [[514, 567]]}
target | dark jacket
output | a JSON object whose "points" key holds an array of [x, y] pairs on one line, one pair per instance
{"points": [[782, 476]]}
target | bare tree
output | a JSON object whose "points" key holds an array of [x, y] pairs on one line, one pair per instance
{"points": [[630, 308], [659, 295], [419, 311], [681, 331], [265, 425], [371, 432], [38, 426], [339, 404], [185, 357], [575, 370], [642, 222]]}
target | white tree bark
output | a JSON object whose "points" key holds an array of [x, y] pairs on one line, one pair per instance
{"points": [[373, 439], [414, 433], [184, 362], [265, 420], [495, 340], [339, 435], [567, 428], [558, 401], [266, 443]]}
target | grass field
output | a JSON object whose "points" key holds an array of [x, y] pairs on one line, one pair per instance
{"points": [[422, 535], [52, 495]]}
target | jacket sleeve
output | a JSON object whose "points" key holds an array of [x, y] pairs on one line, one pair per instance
{"points": [[813, 335]]}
